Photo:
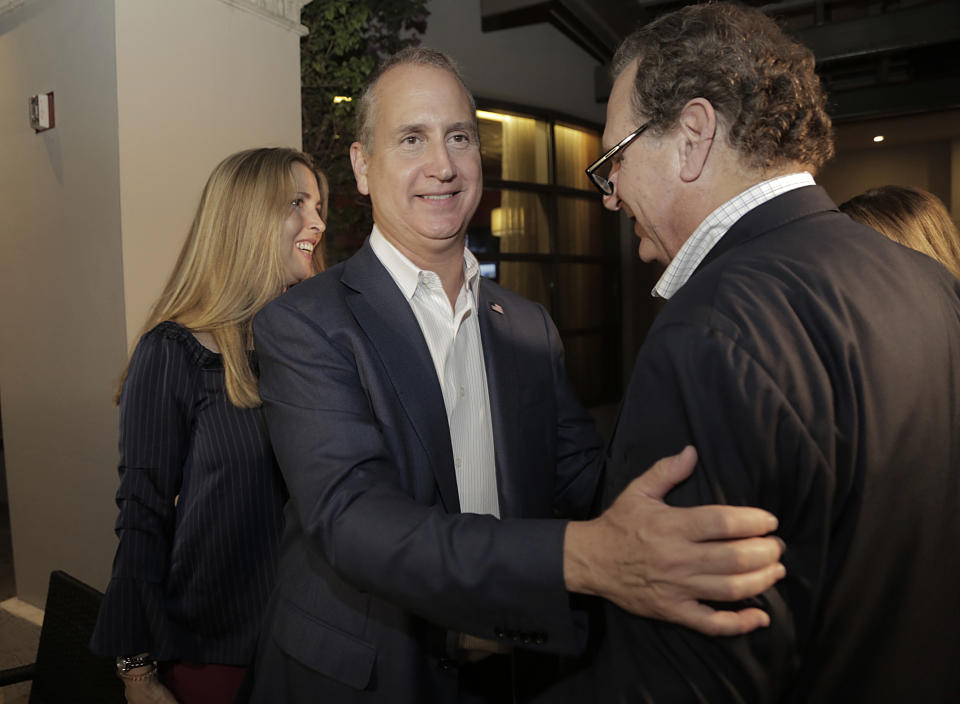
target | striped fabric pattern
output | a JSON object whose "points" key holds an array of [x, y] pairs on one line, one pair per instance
{"points": [[200, 501]]}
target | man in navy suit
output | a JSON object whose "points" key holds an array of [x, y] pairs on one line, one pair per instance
{"points": [[813, 363], [429, 438]]}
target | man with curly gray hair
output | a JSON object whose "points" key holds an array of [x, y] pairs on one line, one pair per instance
{"points": [[812, 362]]}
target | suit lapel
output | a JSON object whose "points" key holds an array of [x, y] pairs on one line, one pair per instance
{"points": [[503, 385], [380, 309]]}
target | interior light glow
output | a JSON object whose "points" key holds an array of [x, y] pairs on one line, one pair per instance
{"points": [[342, 99], [878, 138], [507, 222], [495, 116]]}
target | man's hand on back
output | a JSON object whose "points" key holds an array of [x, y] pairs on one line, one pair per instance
{"points": [[659, 561]]}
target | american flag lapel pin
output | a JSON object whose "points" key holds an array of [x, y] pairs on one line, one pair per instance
{"points": [[496, 308]]}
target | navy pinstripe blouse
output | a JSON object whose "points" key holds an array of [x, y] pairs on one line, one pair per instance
{"points": [[190, 580]]}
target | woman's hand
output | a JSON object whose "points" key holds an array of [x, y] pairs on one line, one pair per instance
{"points": [[146, 691]]}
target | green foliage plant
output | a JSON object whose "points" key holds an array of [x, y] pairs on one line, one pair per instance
{"points": [[347, 40]]}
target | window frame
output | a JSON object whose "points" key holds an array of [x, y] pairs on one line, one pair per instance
{"points": [[608, 328]]}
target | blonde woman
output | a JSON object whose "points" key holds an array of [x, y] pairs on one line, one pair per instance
{"points": [[200, 494], [911, 216]]}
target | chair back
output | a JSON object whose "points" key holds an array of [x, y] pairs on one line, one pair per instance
{"points": [[66, 670]]}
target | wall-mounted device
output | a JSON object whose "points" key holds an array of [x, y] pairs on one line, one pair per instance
{"points": [[41, 112]]}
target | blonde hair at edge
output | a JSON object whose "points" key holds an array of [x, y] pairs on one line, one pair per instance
{"points": [[230, 265], [911, 216]]}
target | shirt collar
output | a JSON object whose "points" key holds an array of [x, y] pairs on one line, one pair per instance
{"points": [[716, 225], [408, 275]]}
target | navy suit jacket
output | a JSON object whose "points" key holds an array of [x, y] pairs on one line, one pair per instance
{"points": [[815, 365], [377, 560]]}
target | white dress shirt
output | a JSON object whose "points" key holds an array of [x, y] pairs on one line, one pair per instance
{"points": [[715, 226], [453, 338]]}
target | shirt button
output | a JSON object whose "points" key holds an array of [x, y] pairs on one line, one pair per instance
{"points": [[462, 392], [457, 462]]}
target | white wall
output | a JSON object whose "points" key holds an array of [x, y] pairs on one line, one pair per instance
{"points": [[925, 165], [149, 96], [534, 65], [196, 80], [917, 150], [61, 295]]}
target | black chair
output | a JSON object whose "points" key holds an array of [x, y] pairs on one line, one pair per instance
{"points": [[66, 672]]}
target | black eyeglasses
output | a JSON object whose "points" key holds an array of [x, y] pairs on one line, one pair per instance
{"points": [[602, 183]]}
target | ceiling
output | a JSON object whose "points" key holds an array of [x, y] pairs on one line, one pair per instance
{"points": [[877, 58]]}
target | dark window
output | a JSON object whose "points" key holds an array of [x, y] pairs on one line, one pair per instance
{"points": [[541, 231]]}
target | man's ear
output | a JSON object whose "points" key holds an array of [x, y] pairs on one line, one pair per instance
{"points": [[698, 127], [358, 159]]}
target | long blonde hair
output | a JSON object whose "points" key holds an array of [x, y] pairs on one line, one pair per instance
{"points": [[230, 265], [911, 216]]}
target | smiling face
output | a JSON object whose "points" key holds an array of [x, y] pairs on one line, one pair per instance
{"points": [[302, 228], [423, 175], [642, 176]]}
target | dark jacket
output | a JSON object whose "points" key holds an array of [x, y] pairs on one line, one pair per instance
{"points": [[815, 365], [378, 562]]}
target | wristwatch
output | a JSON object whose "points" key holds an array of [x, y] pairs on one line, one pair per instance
{"points": [[125, 664]]}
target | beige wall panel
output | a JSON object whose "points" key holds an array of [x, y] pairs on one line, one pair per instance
{"points": [[61, 296], [197, 80], [922, 164]]}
